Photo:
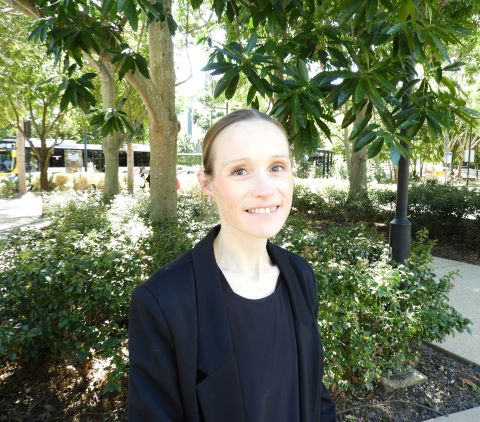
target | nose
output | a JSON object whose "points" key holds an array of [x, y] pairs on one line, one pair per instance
{"points": [[262, 186]]}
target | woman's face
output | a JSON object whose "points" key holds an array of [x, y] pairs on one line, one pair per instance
{"points": [[252, 180]]}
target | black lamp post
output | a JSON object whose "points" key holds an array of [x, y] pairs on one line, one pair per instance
{"points": [[400, 226]]}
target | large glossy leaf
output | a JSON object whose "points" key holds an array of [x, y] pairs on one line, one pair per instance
{"points": [[395, 153], [375, 148], [224, 81], [359, 127], [363, 140], [232, 87], [251, 43]]}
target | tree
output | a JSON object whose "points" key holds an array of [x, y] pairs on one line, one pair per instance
{"points": [[93, 32], [366, 53], [28, 87]]}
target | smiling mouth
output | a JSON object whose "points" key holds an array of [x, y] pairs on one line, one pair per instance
{"points": [[266, 210]]}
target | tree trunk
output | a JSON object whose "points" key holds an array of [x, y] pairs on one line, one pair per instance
{"points": [[130, 164], [358, 164], [346, 143], [461, 155], [112, 142], [163, 125], [22, 183], [111, 145], [44, 168], [358, 171]]}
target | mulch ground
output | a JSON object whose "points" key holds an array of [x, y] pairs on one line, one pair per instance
{"points": [[452, 386], [58, 394]]}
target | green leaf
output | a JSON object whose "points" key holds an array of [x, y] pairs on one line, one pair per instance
{"points": [[142, 66], [224, 81], [107, 6], [219, 6], [454, 67], [122, 5], [295, 106], [172, 25], [395, 153], [375, 148], [388, 120], [303, 70], [372, 6], [441, 47], [375, 96], [324, 79], [251, 94], [395, 28], [232, 87], [365, 139], [257, 82], [357, 129], [132, 16], [360, 91], [252, 42], [349, 118]]}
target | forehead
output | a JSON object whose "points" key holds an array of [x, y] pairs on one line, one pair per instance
{"points": [[250, 138]]}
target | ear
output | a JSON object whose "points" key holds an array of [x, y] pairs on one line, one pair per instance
{"points": [[205, 183]]}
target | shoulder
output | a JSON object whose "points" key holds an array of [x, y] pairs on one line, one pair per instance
{"points": [[172, 283], [299, 264]]}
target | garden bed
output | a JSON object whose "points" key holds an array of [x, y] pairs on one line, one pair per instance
{"points": [[58, 394]]}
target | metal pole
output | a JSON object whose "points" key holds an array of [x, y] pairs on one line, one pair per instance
{"points": [[469, 149], [400, 226], [85, 151]]}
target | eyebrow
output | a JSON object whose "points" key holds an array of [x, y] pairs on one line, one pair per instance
{"points": [[226, 163]]}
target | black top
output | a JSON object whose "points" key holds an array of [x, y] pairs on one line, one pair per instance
{"points": [[264, 345]]}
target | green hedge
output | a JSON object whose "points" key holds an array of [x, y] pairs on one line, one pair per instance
{"points": [[64, 290], [447, 212], [373, 313]]}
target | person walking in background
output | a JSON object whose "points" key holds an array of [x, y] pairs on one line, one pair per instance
{"points": [[141, 176]]}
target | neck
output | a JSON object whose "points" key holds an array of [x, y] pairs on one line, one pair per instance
{"points": [[238, 253]]}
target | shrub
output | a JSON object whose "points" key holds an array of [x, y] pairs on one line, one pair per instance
{"points": [[189, 160], [60, 181], [302, 169], [81, 183], [373, 313], [64, 291], [8, 188]]}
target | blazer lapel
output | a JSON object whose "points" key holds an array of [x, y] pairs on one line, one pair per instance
{"points": [[307, 337], [218, 388]]}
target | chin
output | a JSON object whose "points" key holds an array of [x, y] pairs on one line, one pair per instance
{"points": [[264, 230]]}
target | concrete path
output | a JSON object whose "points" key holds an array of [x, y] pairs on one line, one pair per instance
{"points": [[470, 415], [465, 297], [19, 212]]}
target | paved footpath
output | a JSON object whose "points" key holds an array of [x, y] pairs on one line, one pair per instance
{"points": [[20, 212], [464, 297]]}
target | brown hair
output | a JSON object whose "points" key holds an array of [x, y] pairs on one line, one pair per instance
{"points": [[225, 121]]}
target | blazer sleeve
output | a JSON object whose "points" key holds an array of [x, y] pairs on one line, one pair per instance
{"points": [[153, 385], [327, 406]]}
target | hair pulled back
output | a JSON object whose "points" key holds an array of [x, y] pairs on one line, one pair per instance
{"points": [[224, 122]]}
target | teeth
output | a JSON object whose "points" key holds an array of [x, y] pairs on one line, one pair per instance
{"points": [[262, 210]]}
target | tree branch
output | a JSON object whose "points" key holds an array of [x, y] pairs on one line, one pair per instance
{"points": [[26, 7]]}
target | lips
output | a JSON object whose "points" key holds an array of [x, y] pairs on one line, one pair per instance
{"points": [[263, 210]]}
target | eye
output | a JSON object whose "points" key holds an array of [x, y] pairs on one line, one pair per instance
{"points": [[240, 171], [277, 168]]}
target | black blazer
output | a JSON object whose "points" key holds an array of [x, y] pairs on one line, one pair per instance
{"points": [[182, 366]]}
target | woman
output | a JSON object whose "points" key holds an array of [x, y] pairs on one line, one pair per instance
{"points": [[228, 332]]}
